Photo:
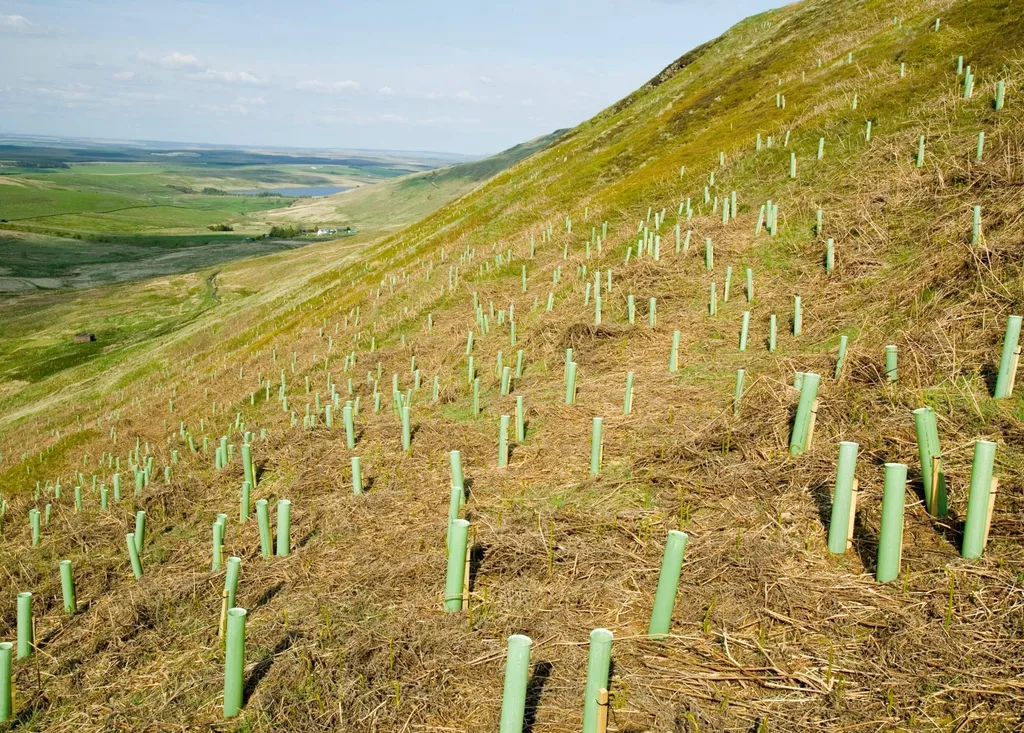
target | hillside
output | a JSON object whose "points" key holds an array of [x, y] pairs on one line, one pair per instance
{"points": [[395, 204], [778, 623]]}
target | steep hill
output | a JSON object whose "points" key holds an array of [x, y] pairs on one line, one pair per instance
{"points": [[770, 630]]}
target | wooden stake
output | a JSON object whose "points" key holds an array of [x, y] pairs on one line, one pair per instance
{"points": [[222, 625], [853, 513], [810, 427], [933, 490], [602, 710], [991, 506], [465, 580], [1013, 371]]}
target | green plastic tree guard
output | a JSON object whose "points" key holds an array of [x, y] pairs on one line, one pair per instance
{"points": [[140, 529], [133, 555], [218, 546], [976, 226], [406, 430], [1000, 94], [34, 521], [234, 568], [709, 254], [517, 669], [750, 284], [570, 384], [738, 392], [980, 151], [890, 363], [476, 396], [668, 584], [712, 301], [598, 667], [458, 537], [773, 329], [67, 586], [890, 538], [627, 403], [357, 476], [932, 476], [284, 528], [6, 697], [842, 497], [247, 467], [350, 426], [798, 318], [652, 312], [744, 330], [520, 419], [455, 458], [596, 445], [804, 412], [1009, 358], [26, 637], [673, 358], [245, 502], [503, 441], [980, 500], [263, 519], [830, 256], [234, 662], [920, 151]]}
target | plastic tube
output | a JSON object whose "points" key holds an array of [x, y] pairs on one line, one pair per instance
{"points": [[979, 502], [284, 528], [517, 668], [133, 555], [458, 536], [598, 664], [890, 538], [842, 497], [234, 662], [668, 584], [263, 519]]}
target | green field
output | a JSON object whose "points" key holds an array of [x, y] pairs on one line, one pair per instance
{"points": [[79, 224]]}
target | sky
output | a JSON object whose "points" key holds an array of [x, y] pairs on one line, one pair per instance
{"points": [[457, 76]]}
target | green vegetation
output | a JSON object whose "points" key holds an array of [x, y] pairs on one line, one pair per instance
{"points": [[768, 629]]}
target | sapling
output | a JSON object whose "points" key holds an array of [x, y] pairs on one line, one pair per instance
{"points": [[806, 407], [627, 405]]}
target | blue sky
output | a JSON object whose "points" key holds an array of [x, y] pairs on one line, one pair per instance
{"points": [[465, 77]]}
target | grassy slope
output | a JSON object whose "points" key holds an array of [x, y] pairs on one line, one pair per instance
{"points": [[396, 204], [771, 632]]}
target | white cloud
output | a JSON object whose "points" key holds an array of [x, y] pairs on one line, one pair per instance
{"points": [[227, 77], [386, 91], [69, 94], [484, 79], [124, 75], [251, 100], [15, 23], [315, 85], [179, 60]]}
